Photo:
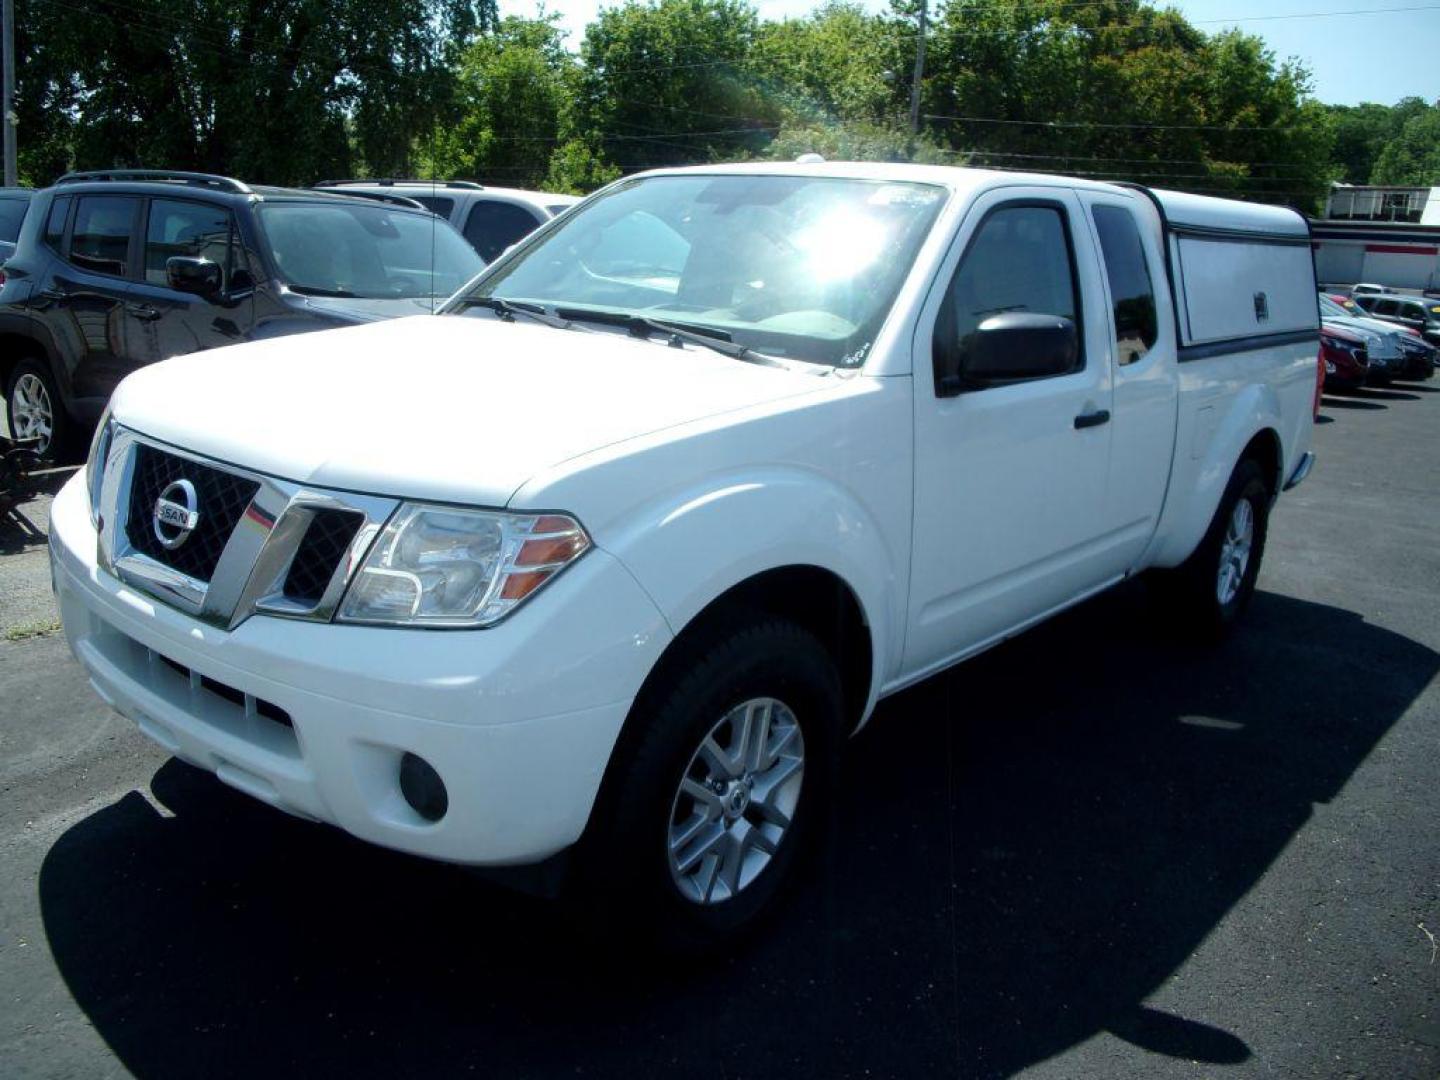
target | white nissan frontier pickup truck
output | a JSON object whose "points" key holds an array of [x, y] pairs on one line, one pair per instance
{"points": [[594, 572]]}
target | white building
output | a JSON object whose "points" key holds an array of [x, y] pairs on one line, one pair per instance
{"points": [[1385, 235]]}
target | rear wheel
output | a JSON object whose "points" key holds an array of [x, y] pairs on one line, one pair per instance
{"points": [[719, 787], [1212, 588], [33, 410]]}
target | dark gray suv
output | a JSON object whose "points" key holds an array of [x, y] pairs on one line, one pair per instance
{"points": [[1420, 313], [114, 270]]}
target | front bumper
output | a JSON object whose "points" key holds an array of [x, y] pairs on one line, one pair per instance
{"points": [[313, 718]]}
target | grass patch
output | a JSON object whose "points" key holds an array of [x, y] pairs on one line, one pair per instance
{"points": [[30, 630]]}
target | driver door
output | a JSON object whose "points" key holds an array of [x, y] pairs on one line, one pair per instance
{"points": [[1010, 479], [162, 322]]}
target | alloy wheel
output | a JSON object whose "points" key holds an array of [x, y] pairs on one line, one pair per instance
{"points": [[31, 414], [1235, 552], [736, 800]]}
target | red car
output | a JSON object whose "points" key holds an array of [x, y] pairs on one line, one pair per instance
{"points": [[1344, 358]]}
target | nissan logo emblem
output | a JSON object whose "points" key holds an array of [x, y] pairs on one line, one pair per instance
{"points": [[176, 513]]}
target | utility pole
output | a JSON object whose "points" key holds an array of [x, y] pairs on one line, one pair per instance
{"points": [[7, 110], [919, 73]]}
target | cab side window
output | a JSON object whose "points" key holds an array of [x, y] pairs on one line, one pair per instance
{"points": [[100, 237], [188, 229], [1019, 260], [1131, 289]]}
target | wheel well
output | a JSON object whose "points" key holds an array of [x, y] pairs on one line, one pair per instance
{"points": [[13, 349], [1264, 449], [814, 598]]}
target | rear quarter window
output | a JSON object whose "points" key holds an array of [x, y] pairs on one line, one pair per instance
{"points": [[12, 216], [55, 222], [493, 226]]}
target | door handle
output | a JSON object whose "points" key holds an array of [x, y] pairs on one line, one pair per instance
{"points": [[1092, 419], [53, 294], [143, 311]]}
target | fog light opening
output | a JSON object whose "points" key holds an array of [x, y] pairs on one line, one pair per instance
{"points": [[422, 787]]}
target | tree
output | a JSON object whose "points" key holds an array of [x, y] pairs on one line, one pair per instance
{"points": [[668, 82], [1412, 157], [1117, 89], [840, 63], [281, 91]]}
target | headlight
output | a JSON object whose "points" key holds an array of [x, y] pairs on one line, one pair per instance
{"points": [[446, 567], [95, 463]]}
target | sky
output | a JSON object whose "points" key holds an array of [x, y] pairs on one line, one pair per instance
{"points": [[1353, 57]]}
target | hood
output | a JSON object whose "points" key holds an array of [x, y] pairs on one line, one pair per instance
{"points": [[449, 408], [1380, 341], [361, 309]]}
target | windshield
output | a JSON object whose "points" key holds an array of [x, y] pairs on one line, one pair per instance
{"points": [[1331, 310], [795, 267], [364, 250]]}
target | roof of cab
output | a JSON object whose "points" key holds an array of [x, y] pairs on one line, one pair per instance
{"points": [[1195, 211], [955, 177]]}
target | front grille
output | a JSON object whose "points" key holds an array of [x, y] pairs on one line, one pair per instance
{"points": [[221, 500], [324, 545]]}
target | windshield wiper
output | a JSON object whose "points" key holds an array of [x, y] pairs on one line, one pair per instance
{"points": [[506, 310], [315, 290], [643, 326]]}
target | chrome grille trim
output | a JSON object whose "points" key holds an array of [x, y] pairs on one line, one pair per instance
{"points": [[250, 575]]}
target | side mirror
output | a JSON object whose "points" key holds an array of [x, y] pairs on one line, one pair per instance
{"points": [[1015, 346], [199, 276]]}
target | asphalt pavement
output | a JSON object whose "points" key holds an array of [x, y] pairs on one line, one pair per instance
{"points": [[1097, 851]]}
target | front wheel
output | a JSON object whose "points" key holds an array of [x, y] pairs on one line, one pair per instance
{"points": [[1212, 588], [34, 411], [716, 788]]}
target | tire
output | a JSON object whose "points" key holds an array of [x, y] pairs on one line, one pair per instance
{"points": [[641, 879], [34, 408], [1209, 591]]}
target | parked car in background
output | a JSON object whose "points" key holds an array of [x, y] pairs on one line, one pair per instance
{"points": [[1420, 314], [701, 473], [1402, 353], [1420, 359], [115, 270], [491, 218], [1344, 301], [1365, 288], [1343, 356], [1383, 341], [14, 202]]}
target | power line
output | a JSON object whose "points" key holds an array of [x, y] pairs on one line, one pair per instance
{"points": [[1106, 126]]}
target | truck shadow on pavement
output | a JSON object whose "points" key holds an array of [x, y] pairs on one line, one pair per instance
{"points": [[1026, 849]]}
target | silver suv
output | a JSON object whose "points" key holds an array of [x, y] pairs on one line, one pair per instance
{"points": [[492, 218]]}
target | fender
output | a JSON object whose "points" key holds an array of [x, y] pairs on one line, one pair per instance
{"points": [[682, 549], [1219, 429], [16, 323]]}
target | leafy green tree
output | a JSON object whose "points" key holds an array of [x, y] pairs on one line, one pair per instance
{"points": [[1361, 132], [281, 91], [1413, 156], [1117, 89], [838, 63], [668, 82]]}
